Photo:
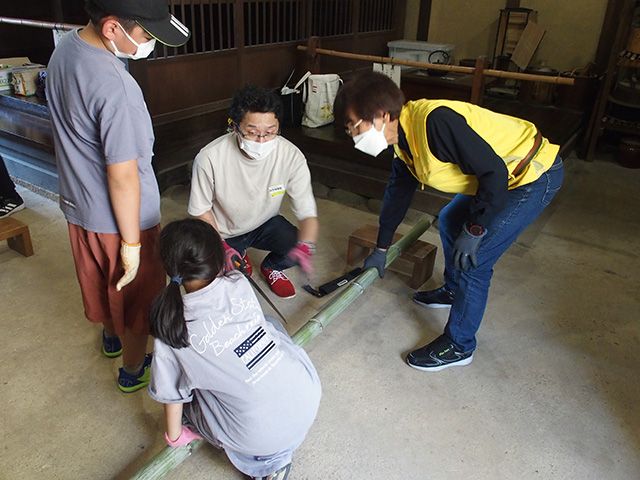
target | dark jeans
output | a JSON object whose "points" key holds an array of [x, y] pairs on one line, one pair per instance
{"points": [[7, 187], [276, 235], [471, 288]]}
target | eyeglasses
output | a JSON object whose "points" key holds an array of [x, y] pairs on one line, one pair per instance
{"points": [[255, 136], [353, 129]]}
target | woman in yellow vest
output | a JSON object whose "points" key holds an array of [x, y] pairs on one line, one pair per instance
{"points": [[503, 172]]}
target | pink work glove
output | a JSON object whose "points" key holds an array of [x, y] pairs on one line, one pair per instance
{"points": [[228, 254], [301, 254], [185, 437]]}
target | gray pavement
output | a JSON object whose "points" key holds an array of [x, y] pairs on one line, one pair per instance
{"points": [[552, 392]]}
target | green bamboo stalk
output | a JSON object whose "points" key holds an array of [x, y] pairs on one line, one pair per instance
{"points": [[166, 460], [334, 308], [170, 457]]}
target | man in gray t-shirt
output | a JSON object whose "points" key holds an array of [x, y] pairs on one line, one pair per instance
{"points": [[108, 191]]}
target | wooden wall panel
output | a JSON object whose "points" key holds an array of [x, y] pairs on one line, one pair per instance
{"points": [[186, 84], [269, 66], [189, 83]]}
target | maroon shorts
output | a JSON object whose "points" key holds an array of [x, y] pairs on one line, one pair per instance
{"points": [[98, 266]]}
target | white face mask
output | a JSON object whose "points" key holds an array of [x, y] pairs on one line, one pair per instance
{"points": [[257, 150], [371, 142], [143, 49]]}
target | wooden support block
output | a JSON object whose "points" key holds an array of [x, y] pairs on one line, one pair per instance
{"points": [[421, 254], [17, 235]]}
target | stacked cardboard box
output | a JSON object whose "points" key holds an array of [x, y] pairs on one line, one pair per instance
{"points": [[20, 75]]}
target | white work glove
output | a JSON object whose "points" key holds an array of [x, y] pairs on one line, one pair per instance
{"points": [[130, 257]]}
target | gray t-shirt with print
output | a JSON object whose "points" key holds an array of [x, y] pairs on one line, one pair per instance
{"points": [[99, 118], [257, 391]]}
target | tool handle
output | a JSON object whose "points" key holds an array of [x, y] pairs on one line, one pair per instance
{"points": [[239, 263]]}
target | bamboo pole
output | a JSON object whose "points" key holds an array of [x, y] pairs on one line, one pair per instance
{"points": [[166, 460], [39, 24], [170, 457], [449, 68], [337, 305]]}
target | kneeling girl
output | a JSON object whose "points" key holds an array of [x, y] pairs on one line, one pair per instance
{"points": [[224, 371]]}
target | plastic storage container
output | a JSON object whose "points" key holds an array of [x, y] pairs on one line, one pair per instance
{"points": [[417, 51]]}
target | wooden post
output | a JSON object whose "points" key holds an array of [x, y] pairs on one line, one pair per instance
{"points": [[313, 59], [477, 90]]}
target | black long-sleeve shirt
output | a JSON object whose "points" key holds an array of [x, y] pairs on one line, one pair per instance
{"points": [[451, 140]]}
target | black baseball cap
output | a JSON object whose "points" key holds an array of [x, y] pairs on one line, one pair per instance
{"points": [[152, 15]]}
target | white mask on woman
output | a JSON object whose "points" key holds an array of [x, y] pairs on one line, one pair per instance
{"points": [[143, 49], [372, 142], [257, 150]]}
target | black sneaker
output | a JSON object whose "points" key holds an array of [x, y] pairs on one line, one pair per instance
{"points": [[438, 355], [10, 205], [439, 298], [281, 474]]}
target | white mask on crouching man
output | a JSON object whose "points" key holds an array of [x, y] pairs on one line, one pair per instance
{"points": [[257, 150]]}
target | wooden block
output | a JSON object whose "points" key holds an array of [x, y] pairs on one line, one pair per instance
{"points": [[421, 254], [17, 235]]}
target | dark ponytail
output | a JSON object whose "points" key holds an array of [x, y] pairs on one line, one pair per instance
{"points": [[166, 318], [190, 250]]}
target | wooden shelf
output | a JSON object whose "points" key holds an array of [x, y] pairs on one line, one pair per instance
{"points": [[618, 101], [615, 104], [625, 62], [620, 125]]}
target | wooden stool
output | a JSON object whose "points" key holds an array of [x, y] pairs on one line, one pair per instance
{"points": [[17, 235], [421, 254]]}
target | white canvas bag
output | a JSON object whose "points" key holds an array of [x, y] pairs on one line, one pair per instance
{"points": [[320, 93]]}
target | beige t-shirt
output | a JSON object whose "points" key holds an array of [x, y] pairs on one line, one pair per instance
{"points": [[244, 193]]}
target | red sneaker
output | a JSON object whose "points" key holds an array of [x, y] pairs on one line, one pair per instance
{"points": [[248, 266], [279, 282]]}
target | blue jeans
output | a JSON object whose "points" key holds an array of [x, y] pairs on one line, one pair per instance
{"points": [[471, 288], [276, 235]]}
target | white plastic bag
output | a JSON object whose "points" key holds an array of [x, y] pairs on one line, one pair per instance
{"points": [[320, 93]]}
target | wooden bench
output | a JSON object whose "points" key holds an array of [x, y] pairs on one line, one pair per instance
{"points": [[421, 254], [17, 235]]}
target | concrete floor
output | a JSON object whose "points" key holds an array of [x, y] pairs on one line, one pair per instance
{"points": [[552, 392]]}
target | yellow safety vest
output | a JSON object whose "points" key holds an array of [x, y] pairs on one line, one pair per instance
{"points": [[510, 138]]}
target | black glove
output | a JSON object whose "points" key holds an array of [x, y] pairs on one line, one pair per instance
{"points": [[376, 259], [466, 246]]}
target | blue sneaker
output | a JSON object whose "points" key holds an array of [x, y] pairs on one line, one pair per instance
{"points": [[131, 383], [111, 346]]}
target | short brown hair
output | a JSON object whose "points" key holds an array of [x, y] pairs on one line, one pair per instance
{"points": [[367, 95]]}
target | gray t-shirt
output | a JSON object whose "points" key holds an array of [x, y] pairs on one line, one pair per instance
{"points": [[99, 118], [258, 392]]}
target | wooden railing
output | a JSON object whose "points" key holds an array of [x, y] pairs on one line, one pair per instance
{"points": [[39, 24], [218, 25]]}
